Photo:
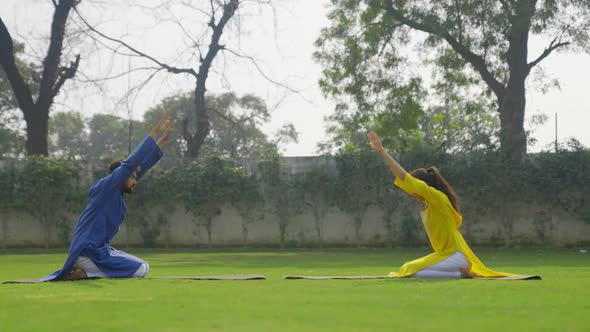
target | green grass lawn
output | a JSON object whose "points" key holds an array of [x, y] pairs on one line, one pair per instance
{"points": [[559, 302]]}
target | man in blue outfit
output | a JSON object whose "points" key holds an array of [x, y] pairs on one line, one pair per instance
{"points": [[90, 254]]}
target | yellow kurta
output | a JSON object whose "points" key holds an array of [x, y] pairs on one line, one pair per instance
{"points": [[441, 222]]}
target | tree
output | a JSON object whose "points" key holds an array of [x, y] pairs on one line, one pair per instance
{"points": [[479, 49], [109, 136], [235, 123], [35, 107], [67, 134]]}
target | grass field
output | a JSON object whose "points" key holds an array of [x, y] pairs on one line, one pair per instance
{"points": [[560, 302]]}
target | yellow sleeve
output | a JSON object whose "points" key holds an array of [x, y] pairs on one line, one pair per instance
{"points": [[412, 186]]}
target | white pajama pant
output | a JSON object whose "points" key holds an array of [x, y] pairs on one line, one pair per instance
{"points": [[449, 268], [92, 271]]}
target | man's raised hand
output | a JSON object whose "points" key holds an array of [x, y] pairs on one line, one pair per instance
{"points": [[167, 133], [161, 125]]}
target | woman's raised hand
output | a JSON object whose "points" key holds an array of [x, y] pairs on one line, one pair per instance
{"points": [[375, 142]]}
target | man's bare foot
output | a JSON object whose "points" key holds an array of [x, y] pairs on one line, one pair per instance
{"points": [[77, 274]]}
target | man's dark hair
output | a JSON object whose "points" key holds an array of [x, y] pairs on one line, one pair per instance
{"points": [[114, 165]]}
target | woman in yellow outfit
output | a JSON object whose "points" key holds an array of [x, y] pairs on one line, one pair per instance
{"points": [[452, 257]]}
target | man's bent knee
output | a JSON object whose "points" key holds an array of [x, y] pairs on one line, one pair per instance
{"points": [[142, 271]]}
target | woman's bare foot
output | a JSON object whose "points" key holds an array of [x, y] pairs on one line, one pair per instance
{"points": [[467, 273], [77, 274]]}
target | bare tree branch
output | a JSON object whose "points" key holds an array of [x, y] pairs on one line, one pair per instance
{"points": [[138, 87], [555, 44], [119, 75], [66, 73], [253, 61], [171, 69], [51, 63]]}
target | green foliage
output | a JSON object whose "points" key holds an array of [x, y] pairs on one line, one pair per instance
{"points": [[208, 184], [488, 185], [11, 142], [319, 191], [9, 199], [357, 184], [409, 227], [47, 187], [109, 137], [248, 201], [282, 193], [67, 134], [235, 123], [151, 231]]}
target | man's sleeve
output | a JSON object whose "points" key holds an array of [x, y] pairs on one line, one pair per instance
{"points": [[149, 161], [146, 148]]}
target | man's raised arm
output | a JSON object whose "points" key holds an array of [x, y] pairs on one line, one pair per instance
{"points": [[166, 126]]}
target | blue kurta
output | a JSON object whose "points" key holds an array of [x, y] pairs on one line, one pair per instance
{"points": [[103, 216]]}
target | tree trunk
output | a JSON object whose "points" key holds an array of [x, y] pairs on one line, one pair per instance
{"points": [[208, 227], [513, 138], [37, 127], [47, 234], [358, 223], [244, 232], [318, 225], [195, 143], [318, 230], [512, 102], [282, 233], [4, 232]]}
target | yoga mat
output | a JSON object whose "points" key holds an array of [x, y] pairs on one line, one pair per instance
{"points": [[222, 277], [518, 277], [335, 277], [34, 281]]}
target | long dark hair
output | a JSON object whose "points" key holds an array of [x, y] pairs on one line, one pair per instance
{"points": [[432, 177]]}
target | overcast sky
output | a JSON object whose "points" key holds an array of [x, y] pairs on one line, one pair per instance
{"points": [[281, 41]]}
